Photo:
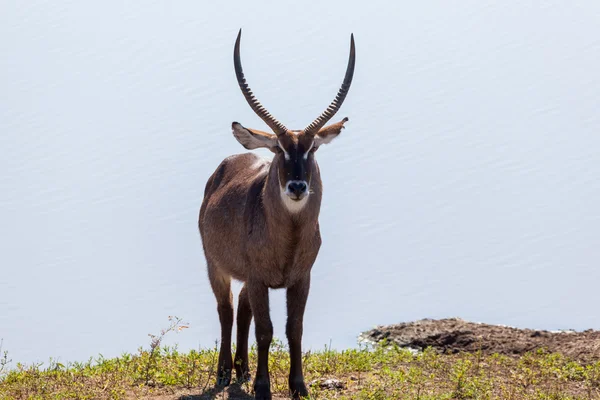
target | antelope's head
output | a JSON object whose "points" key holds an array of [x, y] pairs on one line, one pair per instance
{"points": [[294, 149]]}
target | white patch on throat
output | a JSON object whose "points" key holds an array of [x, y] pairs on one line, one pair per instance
{"points": [[293, 206]]}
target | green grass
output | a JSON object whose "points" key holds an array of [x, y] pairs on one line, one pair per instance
{"points": [[378, 373], [382, 372]]}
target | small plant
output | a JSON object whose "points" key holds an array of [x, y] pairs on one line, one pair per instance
{"points": [[175, 325], [4, 360]]}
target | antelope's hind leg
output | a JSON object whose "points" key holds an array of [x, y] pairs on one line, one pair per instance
{"points": [[221, 286], [244, 317]]}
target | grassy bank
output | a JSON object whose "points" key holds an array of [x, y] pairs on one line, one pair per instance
{"points": [[379, 373]]}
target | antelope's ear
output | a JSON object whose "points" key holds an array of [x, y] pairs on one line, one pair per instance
{"points": [[252, 138], [330, 132]]}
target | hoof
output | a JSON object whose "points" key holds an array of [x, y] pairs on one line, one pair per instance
{"points": [[243, 377], [242, 373], [224, 379], [262, 391], [298, 390]]}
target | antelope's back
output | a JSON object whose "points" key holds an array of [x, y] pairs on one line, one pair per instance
{"points": [[230, 191]]}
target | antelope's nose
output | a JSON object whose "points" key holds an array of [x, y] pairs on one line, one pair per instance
{"points": [[297, 187]]}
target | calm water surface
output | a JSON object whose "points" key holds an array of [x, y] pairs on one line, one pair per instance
{"points": [[467, 182]]}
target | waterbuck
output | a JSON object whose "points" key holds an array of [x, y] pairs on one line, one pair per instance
{"points": [[259, 224]]}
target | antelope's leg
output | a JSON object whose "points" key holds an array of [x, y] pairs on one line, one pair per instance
{"points": [[296, 303], [221, 286], [258, 294], [244, 317]]}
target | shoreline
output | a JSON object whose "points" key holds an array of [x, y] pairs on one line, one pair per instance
{"points": [[455, 335]]}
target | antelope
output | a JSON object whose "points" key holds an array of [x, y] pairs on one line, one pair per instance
{"points": [[259, 224]]}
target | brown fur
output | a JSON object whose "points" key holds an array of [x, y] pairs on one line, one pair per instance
{"points": [[248, 234], [259, 224], [246, 230]]}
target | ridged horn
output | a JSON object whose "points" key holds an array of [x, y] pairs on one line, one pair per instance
{"points": [[258, 108], [335, 105]]}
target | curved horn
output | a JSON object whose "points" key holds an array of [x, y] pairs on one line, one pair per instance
{"points": [[258, 108], [335, 105]]}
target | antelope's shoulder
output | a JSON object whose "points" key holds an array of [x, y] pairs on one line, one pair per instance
{"points": [[236, 170]]}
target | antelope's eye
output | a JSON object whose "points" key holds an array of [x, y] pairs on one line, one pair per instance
{"points": [[278, 150]]}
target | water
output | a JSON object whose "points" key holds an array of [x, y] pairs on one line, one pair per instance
{"points": [[465, 184]]}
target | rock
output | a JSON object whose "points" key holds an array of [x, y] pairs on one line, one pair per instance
{"points": [[328, 384], [455, 335]]}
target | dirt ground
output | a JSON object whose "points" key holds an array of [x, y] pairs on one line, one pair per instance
{"points": [[454, 335]]}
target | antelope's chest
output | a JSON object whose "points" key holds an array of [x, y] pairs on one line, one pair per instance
{"points": [[290, 266]]}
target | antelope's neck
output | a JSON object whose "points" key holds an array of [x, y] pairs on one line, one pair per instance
{"points": [[280, 209]]}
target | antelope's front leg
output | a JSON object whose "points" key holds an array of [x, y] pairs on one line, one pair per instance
{"points": [[296, 303], [258, 294]]}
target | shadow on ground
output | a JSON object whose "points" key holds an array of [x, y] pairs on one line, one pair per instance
{"points": [[233, 392]]}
